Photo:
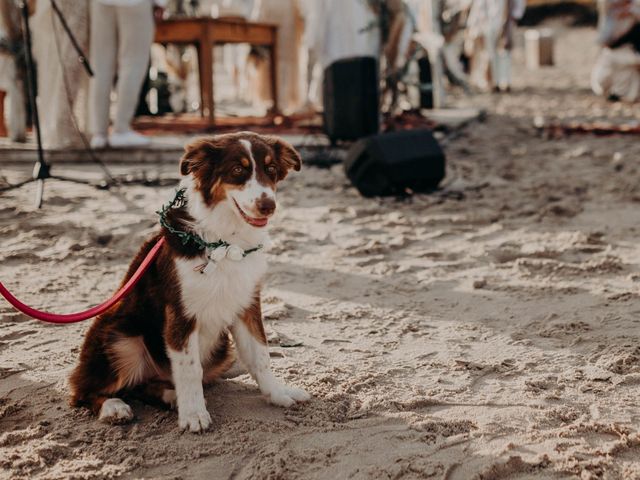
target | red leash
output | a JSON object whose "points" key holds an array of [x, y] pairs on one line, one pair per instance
{"points": [[92, 312]]}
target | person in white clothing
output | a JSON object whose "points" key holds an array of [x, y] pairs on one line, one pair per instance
{"points": [[121, 37], [616, 74], [490, 31], [62, 82], [286, 15]]}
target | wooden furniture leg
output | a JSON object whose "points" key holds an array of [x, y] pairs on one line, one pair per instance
{"points": [[3, 126], [273, 59], [205, 69]]}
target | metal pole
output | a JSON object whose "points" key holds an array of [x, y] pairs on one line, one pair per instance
{"points": [[41, 169]]}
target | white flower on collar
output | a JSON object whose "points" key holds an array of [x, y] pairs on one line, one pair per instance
{"points": [[218, 254], [235, 253]]}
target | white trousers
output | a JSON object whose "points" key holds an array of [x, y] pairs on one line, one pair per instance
{"points": [[121, 38], [62, 81]]}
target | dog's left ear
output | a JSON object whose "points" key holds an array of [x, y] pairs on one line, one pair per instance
{"points": [[199, 153], [287, 157]]}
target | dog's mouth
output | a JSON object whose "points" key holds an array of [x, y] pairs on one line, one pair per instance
{"points": [[254, 222]]}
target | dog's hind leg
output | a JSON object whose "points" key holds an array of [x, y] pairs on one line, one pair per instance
{"points": [[157, 393], [96, 381], [102, 403], [235, 370], [115, 410], [108, 408]]}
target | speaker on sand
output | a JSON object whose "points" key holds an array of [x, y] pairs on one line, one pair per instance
{"points": [[351, 97], [392, 163]]}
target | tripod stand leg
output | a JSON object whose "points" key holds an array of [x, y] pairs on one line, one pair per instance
{"points": [[39, 192], [42, 168]]}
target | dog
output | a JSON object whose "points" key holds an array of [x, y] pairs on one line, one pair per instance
{"points": [[196, 307]]}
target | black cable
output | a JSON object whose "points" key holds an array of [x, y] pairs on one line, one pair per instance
{"points": [[81, 58]]}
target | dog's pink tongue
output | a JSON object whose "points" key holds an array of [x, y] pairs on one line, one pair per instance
{"points": [[259, 222]]}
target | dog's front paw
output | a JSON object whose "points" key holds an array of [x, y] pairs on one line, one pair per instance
{"points": [[196, 420], [115, 411], [285, 396]]}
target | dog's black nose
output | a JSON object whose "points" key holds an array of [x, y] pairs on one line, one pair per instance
{"points": [[266, 206]]}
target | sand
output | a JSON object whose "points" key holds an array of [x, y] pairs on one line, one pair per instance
{"points": [[490, 331]]}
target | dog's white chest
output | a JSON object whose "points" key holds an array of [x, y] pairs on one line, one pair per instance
{"points": [[216, 298]]}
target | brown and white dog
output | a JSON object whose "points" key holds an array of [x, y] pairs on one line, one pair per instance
{"points": [[180, 327]]}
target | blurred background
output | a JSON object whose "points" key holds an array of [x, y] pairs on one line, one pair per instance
{"points": [[214, 65]]}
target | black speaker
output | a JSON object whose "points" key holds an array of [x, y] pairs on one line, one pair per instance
{"points": [[391, 163], [351, 96]]}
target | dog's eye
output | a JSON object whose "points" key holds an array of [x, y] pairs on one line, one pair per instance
{"points": [[271, 170], [237, 171]]}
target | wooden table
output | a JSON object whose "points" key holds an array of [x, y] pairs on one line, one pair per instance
{"points": [[205, 33]]}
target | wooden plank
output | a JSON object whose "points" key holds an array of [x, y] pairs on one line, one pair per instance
{"points": [[242, 33], [539, 3], [189, 30], [178, 32]]}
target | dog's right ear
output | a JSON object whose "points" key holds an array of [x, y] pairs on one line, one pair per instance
{"points": [[199, 153]]}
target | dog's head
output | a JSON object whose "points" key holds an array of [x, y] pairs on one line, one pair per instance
{"points": [[239, 171]]}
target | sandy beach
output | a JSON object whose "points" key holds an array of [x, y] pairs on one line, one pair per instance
{"points": [[488, 331]]}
